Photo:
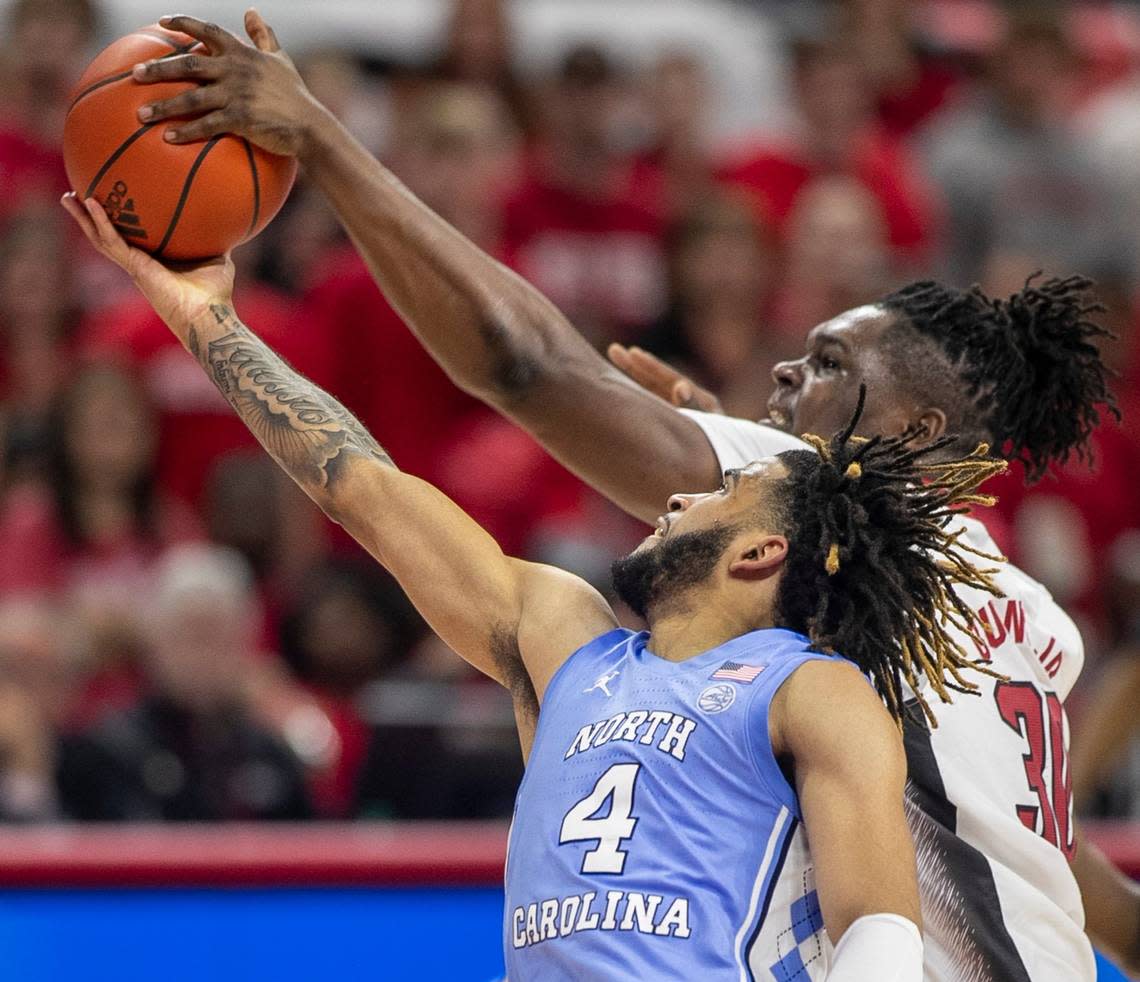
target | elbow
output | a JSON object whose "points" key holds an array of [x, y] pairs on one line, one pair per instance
{"points": [[514, 370]]}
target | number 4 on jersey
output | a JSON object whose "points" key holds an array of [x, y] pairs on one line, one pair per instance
{"points": [[582, 822]]}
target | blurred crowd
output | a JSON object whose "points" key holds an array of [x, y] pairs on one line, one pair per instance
{"points": [[183, 636]]}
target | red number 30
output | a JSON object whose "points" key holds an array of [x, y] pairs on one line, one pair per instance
{"points": [[1039, 718]]}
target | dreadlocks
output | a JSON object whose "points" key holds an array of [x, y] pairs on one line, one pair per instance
{"points": [[871, 566], [1030, 365]]}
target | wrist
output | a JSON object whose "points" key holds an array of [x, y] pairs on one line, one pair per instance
{"points": [[318, 135]]}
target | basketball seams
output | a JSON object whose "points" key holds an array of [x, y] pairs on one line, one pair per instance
{"points": [[193, 200], [256, 186], [110, 161], [119, 76], [210, 144]]}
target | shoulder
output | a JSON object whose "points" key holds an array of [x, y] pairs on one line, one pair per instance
{"points": [[561, 614], [737, 442], [827, 712]]}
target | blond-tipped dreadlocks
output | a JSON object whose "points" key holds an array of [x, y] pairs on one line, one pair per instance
{"points": [[872, 564]]}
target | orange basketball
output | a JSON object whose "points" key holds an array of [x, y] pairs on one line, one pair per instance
{"points": [[182, 202]]}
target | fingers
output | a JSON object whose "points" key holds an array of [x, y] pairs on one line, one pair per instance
{"points": [[193, 102], [618, 354], [92, 219], [217, 39], [179, 68], [683, 394], [686, 395], [71, 205], [260, 33], [219, 121], [652, 369], [107, 239]]}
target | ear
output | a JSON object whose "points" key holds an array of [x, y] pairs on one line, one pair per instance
{"points": [[759, 557], [932, 424]]}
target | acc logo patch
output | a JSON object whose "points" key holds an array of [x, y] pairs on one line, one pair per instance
{"points": [[716, 698]]}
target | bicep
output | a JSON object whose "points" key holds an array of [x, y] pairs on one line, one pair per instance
{"points": [[511, 619], [630, 445], [850, 771]]}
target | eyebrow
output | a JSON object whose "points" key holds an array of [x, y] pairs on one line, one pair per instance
{"points": [[826, 337]]}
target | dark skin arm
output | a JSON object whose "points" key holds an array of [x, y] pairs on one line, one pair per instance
{"points": [[495, 335], [1112, 906]]}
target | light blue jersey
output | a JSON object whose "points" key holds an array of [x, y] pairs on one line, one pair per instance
{"points": [[655, 836]]}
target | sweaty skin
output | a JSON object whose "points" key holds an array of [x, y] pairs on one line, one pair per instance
{"points": [[499, 338]]}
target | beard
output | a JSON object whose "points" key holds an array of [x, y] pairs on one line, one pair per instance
{"points": [[645, 578]]}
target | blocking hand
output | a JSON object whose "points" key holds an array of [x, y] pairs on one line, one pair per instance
{"points": [[255, 92], [663, 380]]}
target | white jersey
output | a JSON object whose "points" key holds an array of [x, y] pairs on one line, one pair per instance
{"points": [[988, 795]]}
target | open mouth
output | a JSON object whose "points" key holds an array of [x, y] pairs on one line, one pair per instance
{"points": [[662, 527], [778, 418]]}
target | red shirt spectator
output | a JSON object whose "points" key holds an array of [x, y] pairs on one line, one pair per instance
{"points": [[196, 424], [599, 258], [380, 371], [838, 134], [777, 174], [27, 170]]}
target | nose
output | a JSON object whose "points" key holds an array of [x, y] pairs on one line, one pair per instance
{"points": [[788, 374], [679, 502]]}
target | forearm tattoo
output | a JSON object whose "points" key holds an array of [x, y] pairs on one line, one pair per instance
{"points": [[309, 433]]}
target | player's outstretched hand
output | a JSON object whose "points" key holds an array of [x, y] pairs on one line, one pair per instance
{"points": [[255, 92], [177, 295], [663, 380]]}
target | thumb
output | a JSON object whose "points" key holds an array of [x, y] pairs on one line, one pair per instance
{"points": [[619, 356], [683, 394], [260, 33]]}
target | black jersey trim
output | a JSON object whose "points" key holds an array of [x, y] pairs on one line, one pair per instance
{"points": [[960, 903]]}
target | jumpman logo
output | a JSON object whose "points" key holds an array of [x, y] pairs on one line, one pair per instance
{"points": [[603, 683]]}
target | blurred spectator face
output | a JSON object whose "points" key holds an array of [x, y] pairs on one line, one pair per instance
{"points": [[722, 254], [478, 40], [47, 43], [203, 623], [32, 655], [457, 152], [109, 432], [832, 91], [243, 509], [346, 641], [837, 238], [349, 627], [584, 103], [35, 287], [1032, 70], [678, 96]]}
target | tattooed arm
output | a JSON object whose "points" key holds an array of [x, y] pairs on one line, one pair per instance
{"points": [[311, 435], [513, 620]]}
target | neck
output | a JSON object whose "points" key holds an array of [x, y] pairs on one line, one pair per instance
{"points": [[687, 630]]}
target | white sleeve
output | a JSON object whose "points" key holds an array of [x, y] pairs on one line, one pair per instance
{"points": [[878, 948], [737, 442]]}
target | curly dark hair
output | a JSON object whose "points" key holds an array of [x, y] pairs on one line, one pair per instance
{"points": [[1027, 372], [872, 566]]}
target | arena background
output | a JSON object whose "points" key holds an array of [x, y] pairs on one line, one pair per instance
{"points": [[227, 748]]}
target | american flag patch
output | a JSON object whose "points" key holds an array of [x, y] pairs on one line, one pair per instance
{"points": [[735, 672]]}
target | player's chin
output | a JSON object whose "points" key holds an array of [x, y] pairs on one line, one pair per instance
{"points": [[650, 542]]}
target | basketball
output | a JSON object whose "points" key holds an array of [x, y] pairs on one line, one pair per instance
{"points": [[183, 202]]}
